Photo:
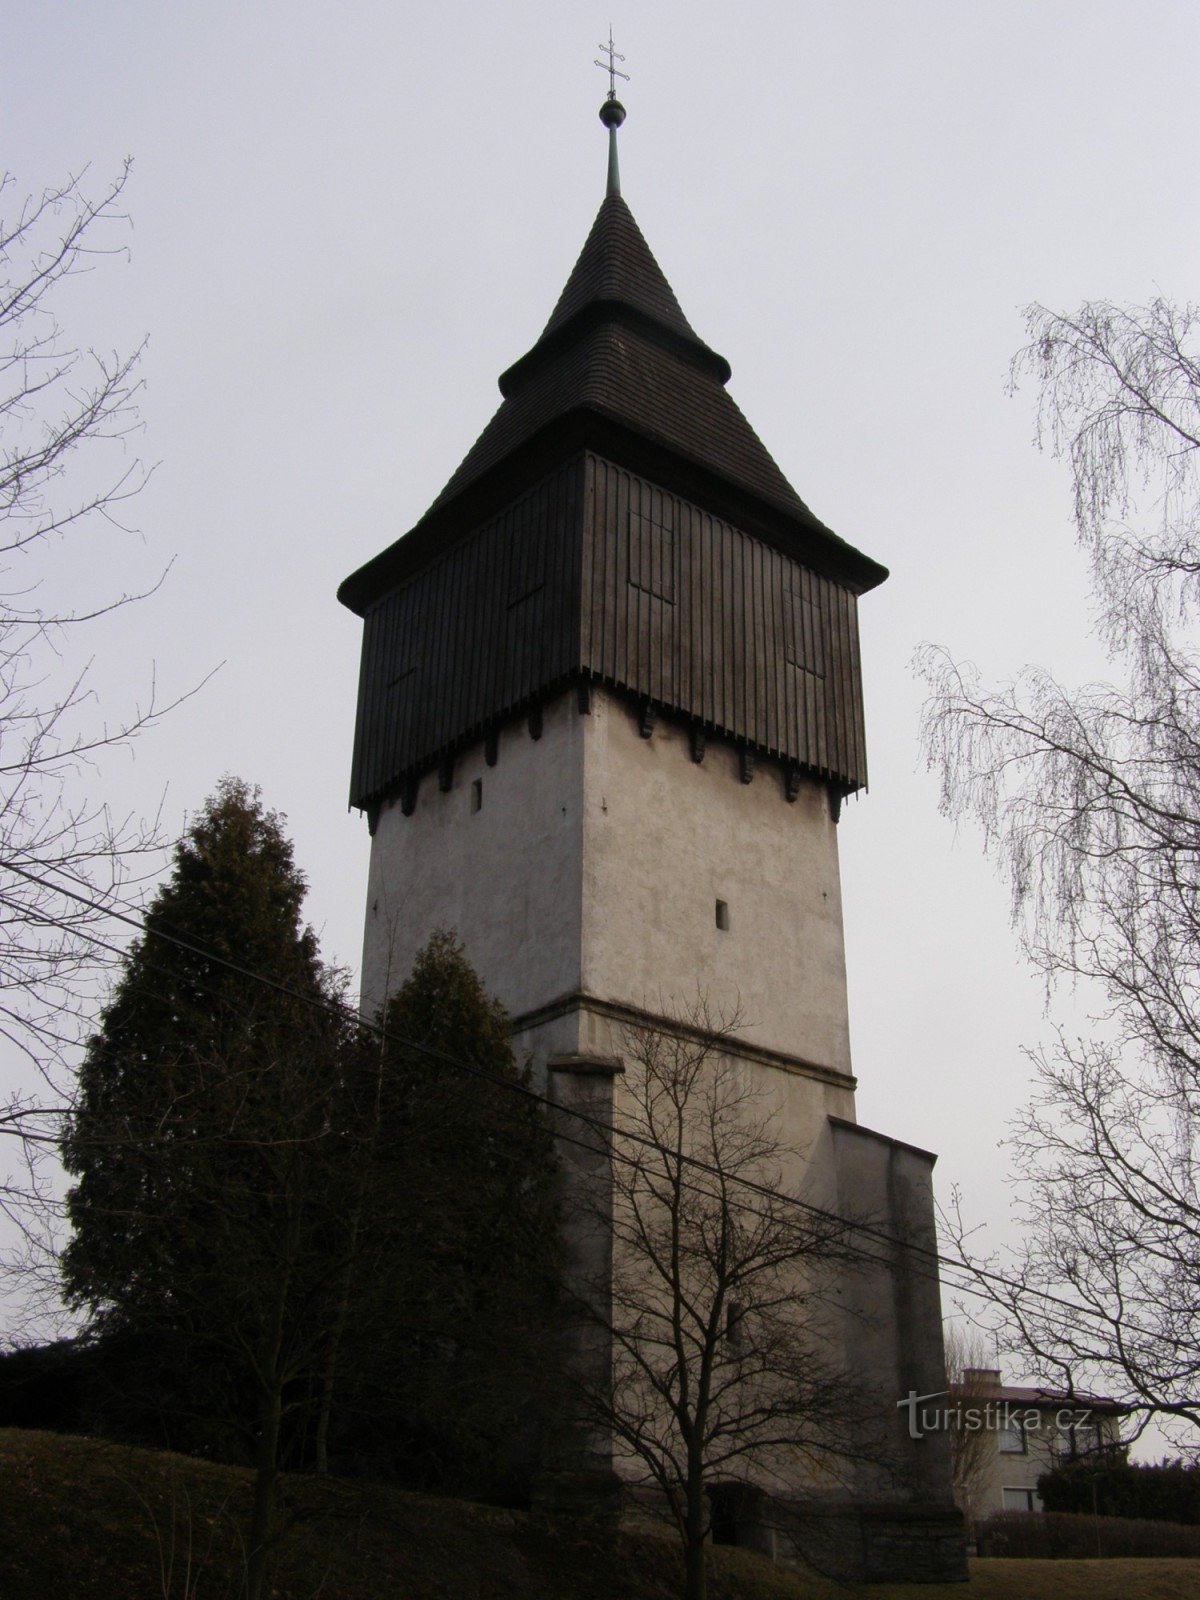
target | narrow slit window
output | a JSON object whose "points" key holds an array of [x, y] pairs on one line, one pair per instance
{"points": [[477, 795], [723, 916]]}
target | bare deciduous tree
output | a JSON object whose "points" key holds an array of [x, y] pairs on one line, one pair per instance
{"points": [[66, 471], [1090, 801], [972, 1447], [719, 1311]]}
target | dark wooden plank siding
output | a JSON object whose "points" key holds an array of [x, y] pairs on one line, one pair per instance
{"points": [[473, 635], [750, 642], [598, 571]]}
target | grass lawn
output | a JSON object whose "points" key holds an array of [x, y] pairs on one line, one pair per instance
{"points": [[81, 1520]]}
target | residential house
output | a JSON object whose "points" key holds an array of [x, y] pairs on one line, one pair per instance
{"points": [[1006, 1436]]}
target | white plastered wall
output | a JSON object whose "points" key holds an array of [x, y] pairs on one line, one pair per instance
{"points": [[505, 877], [665, 838], [584, 890], [594, 863]]}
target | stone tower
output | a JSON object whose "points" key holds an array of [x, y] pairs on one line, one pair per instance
{"points": [[610, 704]]}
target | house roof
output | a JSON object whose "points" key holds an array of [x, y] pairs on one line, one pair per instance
{"points": [[984, 1387]]}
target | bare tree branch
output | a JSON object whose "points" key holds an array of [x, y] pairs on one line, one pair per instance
{"points": [[1089, 800], [67, 417], [718, 1309]]}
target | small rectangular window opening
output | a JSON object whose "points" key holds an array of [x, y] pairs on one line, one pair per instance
{"points": [[722, 916], [1020, 1500], [477, 795], [1012, 1438], [651, 547], [804, 644], [527, 538], [733, 1322]]}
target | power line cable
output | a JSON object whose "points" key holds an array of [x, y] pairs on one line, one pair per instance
{"points": [[607, 1130], [933, 1258]]}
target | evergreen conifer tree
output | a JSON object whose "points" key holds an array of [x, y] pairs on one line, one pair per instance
{"points": [[294, 1233], [455, 1349], [208, 1148]]}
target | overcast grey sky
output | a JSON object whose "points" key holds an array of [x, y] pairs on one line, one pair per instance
{"points": [[345, 225]]}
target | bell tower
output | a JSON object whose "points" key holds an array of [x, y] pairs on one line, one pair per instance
{"points": [[610, 706]]}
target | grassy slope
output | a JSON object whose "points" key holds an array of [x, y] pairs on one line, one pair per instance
{"points": [[81, 1520]]}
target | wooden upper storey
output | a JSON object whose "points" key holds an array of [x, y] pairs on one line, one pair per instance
{"points": [[598, 573], [617, 520]]}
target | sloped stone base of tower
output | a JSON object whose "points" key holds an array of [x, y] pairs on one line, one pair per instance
{"points": [[883, 1543], [896, 1543], [887, 1516], [889, 1519], [596, 1495], [896, 1524]]}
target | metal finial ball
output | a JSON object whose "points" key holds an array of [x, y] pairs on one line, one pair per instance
{"points": [[612, 113]]}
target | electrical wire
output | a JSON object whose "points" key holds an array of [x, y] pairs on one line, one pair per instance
{"points": [[931, 1259]]}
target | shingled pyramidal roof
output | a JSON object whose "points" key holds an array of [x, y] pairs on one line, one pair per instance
{"points": [[615, 264], [619, 359]]}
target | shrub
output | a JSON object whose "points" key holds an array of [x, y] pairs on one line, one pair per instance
{"points": [[44, 1386], [1060, 1535], [1166, 1492]]}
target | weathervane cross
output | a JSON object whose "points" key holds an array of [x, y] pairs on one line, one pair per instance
{"points": [[610, 66]]}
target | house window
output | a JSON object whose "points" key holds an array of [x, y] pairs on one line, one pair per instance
{"points": [[734, 1313], [1020, 1500], [1082, 1439], [477, 795], [1012, 1439], [722, 916]]}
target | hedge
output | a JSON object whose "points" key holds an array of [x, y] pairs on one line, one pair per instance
{"points": [[1052, 1535], [1166, 1492]]}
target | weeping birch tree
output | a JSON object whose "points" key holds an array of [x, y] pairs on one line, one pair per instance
{"points": [[1089, 800]]}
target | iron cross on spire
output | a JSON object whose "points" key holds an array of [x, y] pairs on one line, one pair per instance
{"points": [[610, 66]]}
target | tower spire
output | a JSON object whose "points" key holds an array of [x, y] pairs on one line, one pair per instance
{"points": [[612, 112]]}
